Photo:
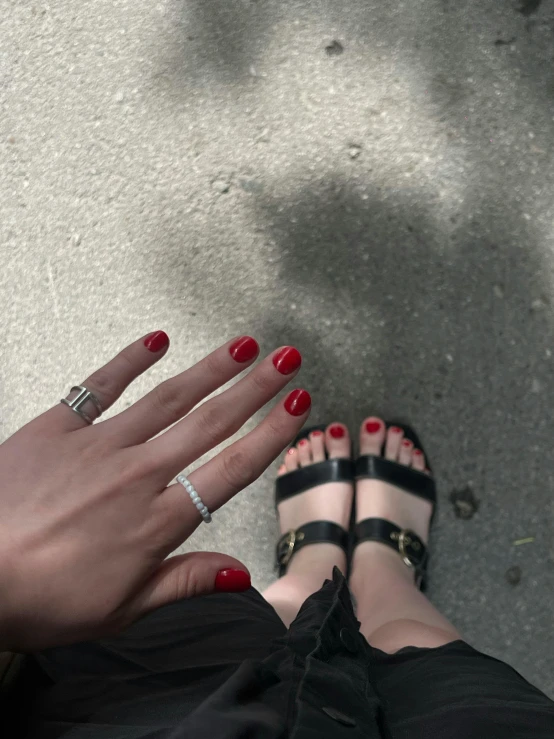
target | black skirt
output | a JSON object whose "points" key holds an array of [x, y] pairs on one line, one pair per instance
{"points": [[224, 667]]}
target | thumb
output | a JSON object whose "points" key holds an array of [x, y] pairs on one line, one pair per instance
{"points": [[189, 575]]}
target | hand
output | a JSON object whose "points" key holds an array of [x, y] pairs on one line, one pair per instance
{"points": [[87, 519]]}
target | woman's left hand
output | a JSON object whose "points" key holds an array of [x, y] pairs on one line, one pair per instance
{"points": [[87, 519]]}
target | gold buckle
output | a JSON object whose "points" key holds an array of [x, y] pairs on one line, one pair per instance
{"points": [[408, 538], [285, 548]]}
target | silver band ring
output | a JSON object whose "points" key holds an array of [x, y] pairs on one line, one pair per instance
{"points": [[201, 508], [80, 399]]}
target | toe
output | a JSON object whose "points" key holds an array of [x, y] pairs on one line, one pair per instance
{"points": [[405, 454], [372, 435], [282, 470], [317, 440], [291, 459], [304, 452], [392, 445], [418, 460], [337, 440]]}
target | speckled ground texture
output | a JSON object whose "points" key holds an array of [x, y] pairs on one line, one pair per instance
{"points": [[371, 182]]}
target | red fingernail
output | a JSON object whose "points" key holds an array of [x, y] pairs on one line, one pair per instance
{"points": [[396, 430], [232, 581], [337, 432], [244, 349], [157, 341], [406, 442], [303, 442], [287, 360], [317, 433], [418, 452], [298, 402], [372, 427]]}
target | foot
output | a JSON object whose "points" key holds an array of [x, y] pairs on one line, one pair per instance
{"points": [[377, 499], [329, 502]]}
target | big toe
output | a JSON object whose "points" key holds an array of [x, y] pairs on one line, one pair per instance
{"points": [[372, 435]]}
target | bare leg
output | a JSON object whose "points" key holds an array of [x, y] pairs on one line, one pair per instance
{"points": [[393, 612], [313, 564]]}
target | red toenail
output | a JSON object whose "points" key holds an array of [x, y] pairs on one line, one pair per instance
{"points": [[406, 443], [396, 430], [372, 427], [317, 433], [418, 452], [337, 432], [303, 442]]}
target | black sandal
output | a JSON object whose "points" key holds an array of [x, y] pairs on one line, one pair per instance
{"points": [[304, 478], [407, 543]]}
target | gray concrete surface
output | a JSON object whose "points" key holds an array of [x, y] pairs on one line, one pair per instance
{"points": [[212, 168]]}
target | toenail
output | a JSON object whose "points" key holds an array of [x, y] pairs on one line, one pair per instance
{"points": [[372, 427], [418, 452], [290, 451], [406, 443], [337, 432], [396, 430], [317, 433], [303, 442]]}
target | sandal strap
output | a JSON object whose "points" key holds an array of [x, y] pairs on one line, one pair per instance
{"points": [[412, 481], [404, 541], [304, 478], [315, 532]]}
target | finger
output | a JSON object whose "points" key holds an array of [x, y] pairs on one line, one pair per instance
{"points": [[222, 416], [109, 382], [233, 469], [190, 575], [174, 398]]}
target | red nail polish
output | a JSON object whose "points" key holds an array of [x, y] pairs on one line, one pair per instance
{"points": [[232, 581], [244, 349], [337, 432], [303, 442], [396, 430], [406, 442], [157, 341], [298, 402], [317, 433], [291, 451], [287, 360], [372, 427], [418, 452]]}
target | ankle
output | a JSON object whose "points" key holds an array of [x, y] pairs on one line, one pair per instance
{"points": [[316, 561], [377, 563]]}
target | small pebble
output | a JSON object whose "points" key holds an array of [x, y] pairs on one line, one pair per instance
{"points": [[334, 49], [465, 503], [76, 239], [221, 186], [513, 575], [354, 151], [538, 305], [119, 97]]}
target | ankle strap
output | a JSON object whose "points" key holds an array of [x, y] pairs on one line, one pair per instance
{"points": [[315, 532], [404, 541]]}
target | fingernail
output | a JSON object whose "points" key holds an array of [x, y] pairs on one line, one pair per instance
{"points": [[232, 581], [157, 341], [396, 430], [244, 349], [337, 432], [372, 427], [298, 402], [287, 360]]}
